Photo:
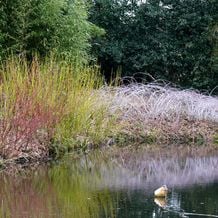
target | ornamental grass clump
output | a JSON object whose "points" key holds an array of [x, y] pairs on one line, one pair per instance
{"points": [[152, 101], [156, 112], [49, 102]]}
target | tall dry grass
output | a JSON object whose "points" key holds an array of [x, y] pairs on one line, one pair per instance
{"points": [[152, 101], [163, 112]]}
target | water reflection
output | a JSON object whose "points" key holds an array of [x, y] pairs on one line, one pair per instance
{"points": [[99, 187], [61, 191], [161, 202], [77, 193], [148, 174]]}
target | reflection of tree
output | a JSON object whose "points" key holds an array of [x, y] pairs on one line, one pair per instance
{"points": [[61, 191], [77, 195], [202, 199]]}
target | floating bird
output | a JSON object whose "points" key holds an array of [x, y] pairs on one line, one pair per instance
{"points": [[161, 192]]}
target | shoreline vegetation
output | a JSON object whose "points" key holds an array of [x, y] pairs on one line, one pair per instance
{"points": [[50, 108]]}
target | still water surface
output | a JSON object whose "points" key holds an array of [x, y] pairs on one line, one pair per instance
{"points": [[98, 187]]}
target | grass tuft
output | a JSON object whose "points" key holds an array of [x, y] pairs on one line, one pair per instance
{"points": [[49, 102], [164, 113], [152, 101]]}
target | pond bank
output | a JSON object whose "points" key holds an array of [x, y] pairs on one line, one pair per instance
{"points": [[125, 155]]}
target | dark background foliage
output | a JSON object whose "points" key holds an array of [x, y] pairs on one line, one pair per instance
{"points": [[170, 40]]}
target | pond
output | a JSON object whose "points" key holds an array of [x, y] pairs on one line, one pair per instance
{"points": [[96, 186]]}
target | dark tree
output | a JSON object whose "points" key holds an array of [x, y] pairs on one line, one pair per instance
{"points": [[168, 39]]}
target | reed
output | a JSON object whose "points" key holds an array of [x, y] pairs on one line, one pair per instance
{"points": [[49, 102]]}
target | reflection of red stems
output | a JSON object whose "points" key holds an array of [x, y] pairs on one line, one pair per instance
{"points": [[23, 198]]}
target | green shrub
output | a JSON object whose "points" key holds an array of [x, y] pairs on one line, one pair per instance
{"points": [[43, 26]]}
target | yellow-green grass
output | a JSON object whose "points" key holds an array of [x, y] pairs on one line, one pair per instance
{"points": [[50, 101]]}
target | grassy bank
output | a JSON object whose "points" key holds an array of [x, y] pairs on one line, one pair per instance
{"points": [[48, 108]]}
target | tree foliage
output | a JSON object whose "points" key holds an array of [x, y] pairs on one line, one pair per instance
{"points": [[43, 26], [168, 39], [173, 40]]}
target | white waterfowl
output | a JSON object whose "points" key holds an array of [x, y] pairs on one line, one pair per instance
{"points": [[161, 192]]}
